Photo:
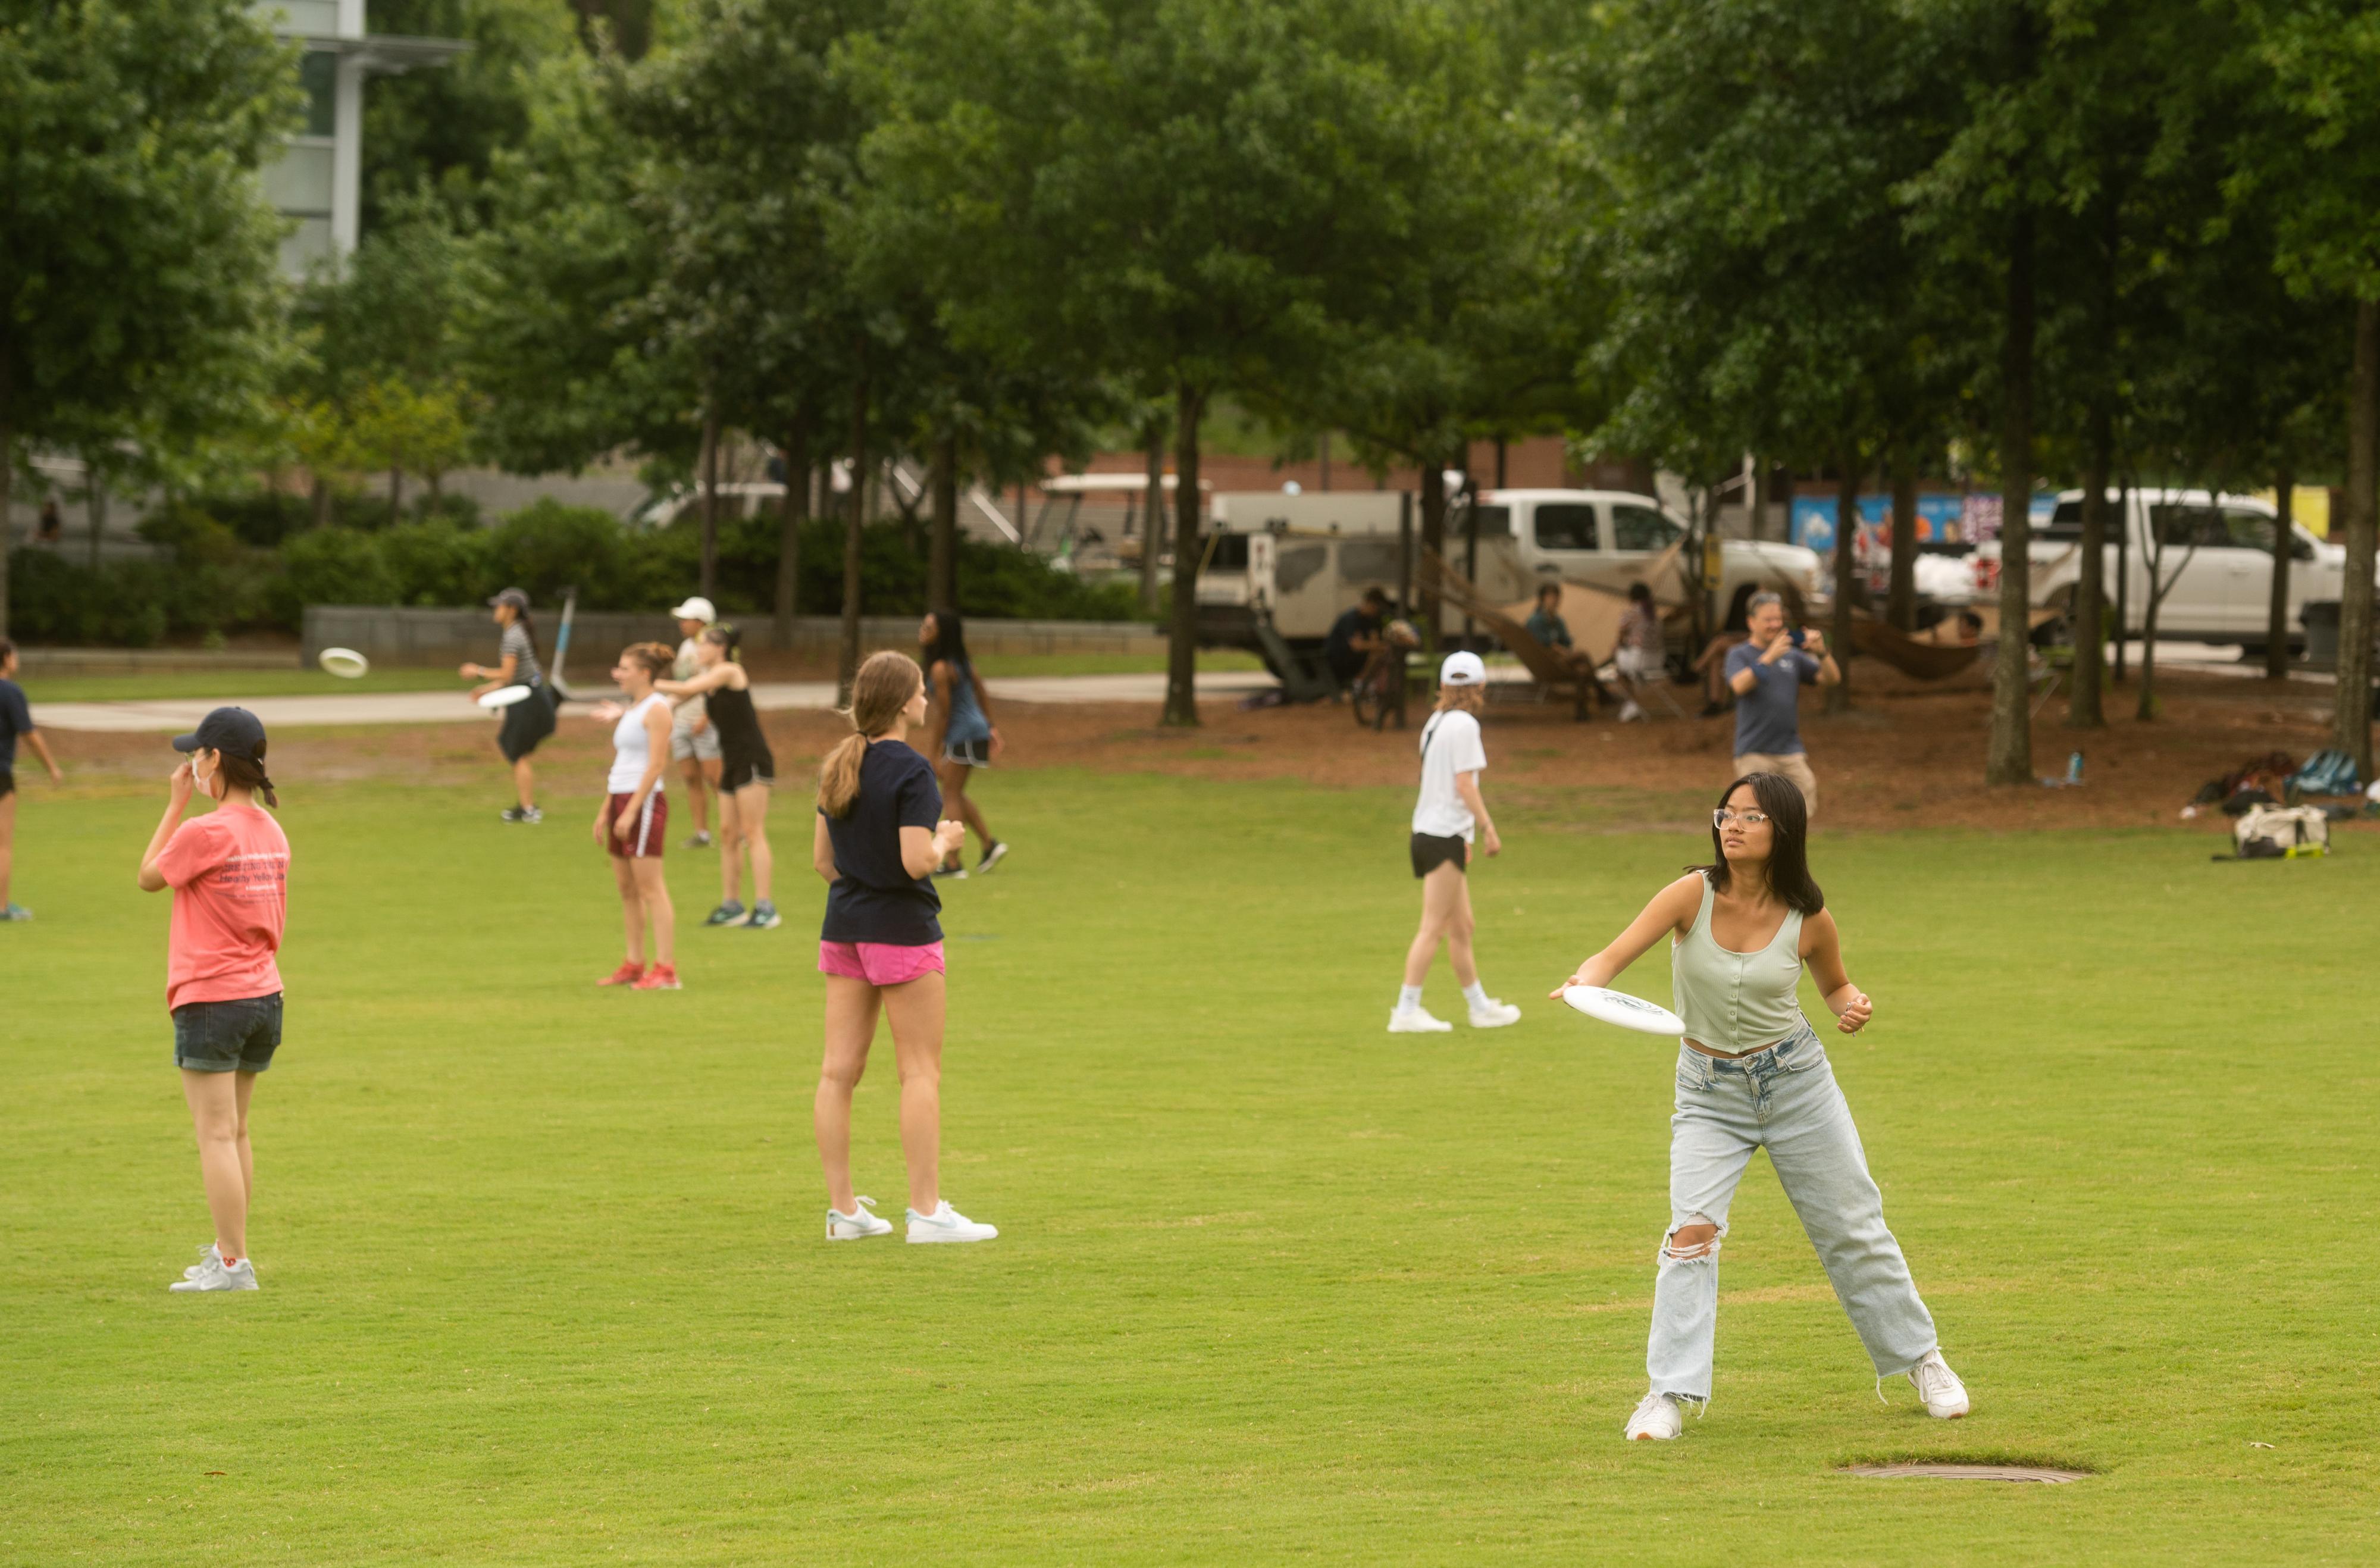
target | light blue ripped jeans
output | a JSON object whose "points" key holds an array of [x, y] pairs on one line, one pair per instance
{"points": [[1783, 1098]]}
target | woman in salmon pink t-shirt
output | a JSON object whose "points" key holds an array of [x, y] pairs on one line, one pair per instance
{"points": [[229, 870]]}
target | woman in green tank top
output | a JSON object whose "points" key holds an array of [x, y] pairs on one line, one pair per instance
{"points": [[1751, 1075]]}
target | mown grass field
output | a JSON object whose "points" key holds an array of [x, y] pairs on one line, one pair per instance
{"points": [[544, 1281], [587, 667]]}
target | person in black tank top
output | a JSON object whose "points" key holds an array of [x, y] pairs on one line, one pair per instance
{"points": [[748, 771]]}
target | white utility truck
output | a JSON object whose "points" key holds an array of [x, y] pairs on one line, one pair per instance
{"points": [[1302, 560], [2218, 554]]}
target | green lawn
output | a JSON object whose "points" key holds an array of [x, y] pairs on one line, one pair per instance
{"points": [[228, 683], [544, 1282], [232, 683]]}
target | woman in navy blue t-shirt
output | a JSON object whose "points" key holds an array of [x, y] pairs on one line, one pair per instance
{"points": [[879, 839]]}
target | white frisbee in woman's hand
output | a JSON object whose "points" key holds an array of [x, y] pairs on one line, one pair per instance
{"points": [[1628, 1011], [344, 662], [505, 696]]}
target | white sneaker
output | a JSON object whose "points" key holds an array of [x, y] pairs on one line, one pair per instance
{"points": [[1631, 710], [1658, 1419], [1495, 1015], [857, 1225], [1944, 1395], [212, 1275], [1416, 1021], [946, 1223], [206, 1255]]}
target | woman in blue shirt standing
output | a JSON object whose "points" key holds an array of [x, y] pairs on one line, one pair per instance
{"points": [[879, 839], [960, 736]]}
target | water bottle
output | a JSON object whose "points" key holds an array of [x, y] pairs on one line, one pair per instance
{"points": [[2074, 768]]}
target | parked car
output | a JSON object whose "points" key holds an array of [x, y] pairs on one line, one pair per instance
{"points": [[2217, 557], [1304, 559]]}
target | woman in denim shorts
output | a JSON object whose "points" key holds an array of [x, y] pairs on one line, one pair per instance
{"points": [[229, 870], [1751, 1075]]}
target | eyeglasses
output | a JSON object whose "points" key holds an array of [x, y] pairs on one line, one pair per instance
{"points": [[1722, 817]]}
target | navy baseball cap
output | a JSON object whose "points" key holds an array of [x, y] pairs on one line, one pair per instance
{"points": [[232, 731]]}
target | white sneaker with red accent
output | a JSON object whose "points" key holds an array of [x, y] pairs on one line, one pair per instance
{"points": [[1659, 1418]]}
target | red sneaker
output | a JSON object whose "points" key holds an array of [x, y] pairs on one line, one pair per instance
{"points": [[661, 976], [628, 974]]}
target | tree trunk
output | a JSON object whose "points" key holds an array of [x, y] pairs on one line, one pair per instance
{"points": [[1433, 538], [1182, 653], [1847, 525], [2145, 709], [2082, 706], [1152, 525], [94, 497], [1901, 600], [1758, 499], [797, 512], [942, 543], [2009, 757], [1785, 499], [8, 498], [2276, 615], [395, 494], [709, 501], [318, 501], [2353, 715], [846, 662]]}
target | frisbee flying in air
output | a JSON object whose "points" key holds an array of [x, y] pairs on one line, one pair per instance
{"points": [[505, 696], [344, 662], [1628, 1011]]}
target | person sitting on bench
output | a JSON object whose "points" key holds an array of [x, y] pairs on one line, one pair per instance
{"points": [[1356, 637]]}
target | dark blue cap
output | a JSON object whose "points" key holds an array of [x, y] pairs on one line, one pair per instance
{"points": [[235, 732]]}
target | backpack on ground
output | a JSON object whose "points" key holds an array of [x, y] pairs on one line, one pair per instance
{"points": [[2280, 832]]}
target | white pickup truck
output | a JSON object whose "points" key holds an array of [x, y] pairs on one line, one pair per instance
{"points": [[1304, 559], [2218, 556]]}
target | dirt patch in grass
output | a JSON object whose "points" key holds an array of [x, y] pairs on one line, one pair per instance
{"points": [[1904, 755]]}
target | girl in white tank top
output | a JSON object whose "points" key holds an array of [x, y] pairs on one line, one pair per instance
{"points": [[632, 821]]}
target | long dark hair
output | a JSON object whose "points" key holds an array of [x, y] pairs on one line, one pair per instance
{"points": [[1788, 842], [950, 640], [240, 772], [727, 636]]}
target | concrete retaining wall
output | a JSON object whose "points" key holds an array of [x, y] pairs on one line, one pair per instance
{"points": [[389, 635]]}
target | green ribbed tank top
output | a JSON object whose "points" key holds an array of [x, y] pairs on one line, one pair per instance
{"points": [[1737, 1002]]}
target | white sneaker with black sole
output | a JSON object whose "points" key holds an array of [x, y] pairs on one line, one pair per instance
{"points": [[857, 1226], [1416, 1021], [1658, 1419], [1944, 1395], [212, 1275], [1495, 1015], [946, 1223]]}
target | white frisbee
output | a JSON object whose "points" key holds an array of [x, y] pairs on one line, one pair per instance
{"points": [[1628, 1011], [505, 696], [344, 662]]}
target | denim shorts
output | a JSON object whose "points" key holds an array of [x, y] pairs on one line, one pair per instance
{"points": [[227, 1037]]}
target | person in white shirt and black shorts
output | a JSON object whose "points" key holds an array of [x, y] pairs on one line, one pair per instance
{"points": [[1446, 817]]}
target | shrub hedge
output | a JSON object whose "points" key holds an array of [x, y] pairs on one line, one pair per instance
{"points": [[213, 578]]}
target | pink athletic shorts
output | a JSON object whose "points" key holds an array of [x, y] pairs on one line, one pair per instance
{"points": [[879, 963]]}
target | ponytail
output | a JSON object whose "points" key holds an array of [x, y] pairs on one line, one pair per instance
{"points": [[884, 686], [240, 773]]}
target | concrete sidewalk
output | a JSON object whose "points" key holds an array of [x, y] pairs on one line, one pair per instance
{"points": [[180, 715]]}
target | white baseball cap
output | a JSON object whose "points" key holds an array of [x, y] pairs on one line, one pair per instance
{"points": [[1463, 669], [696, 609]]}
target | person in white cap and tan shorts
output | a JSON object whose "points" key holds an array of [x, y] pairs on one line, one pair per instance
{"points": [[694, 744], [1447, 818]]}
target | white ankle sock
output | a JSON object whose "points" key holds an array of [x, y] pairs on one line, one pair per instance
{"points": [[1408, 998], [1476, 993]]}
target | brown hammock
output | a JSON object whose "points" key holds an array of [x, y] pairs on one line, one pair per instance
{"points": [[1913, 656]]}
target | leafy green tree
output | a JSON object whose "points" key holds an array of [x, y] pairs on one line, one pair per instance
{"points": [[438, 132], [137, 287], [1189, 194], [2317, 164]]}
